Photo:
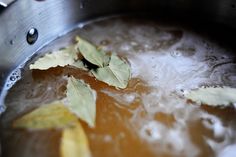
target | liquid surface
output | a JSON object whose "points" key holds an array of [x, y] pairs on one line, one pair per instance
{"points": [[150, 117]]}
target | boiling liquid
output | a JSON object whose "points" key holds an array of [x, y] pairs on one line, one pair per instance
{"points": [[150, 117]]}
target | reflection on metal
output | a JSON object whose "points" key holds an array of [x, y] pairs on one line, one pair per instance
{"points": [[5, 3]]}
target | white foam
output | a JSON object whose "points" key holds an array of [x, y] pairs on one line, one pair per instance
{"points": [[167, 72], [124, 99], [175, 140], [228, 151], [215, 124], [152, 131]]}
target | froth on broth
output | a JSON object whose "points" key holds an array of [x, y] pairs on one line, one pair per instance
{"points": [[150, 117]]}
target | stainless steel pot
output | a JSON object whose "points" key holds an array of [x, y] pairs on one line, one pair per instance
{"points": [[28, 25]]}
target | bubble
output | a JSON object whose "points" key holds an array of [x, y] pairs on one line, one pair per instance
{"points": [[175, 53], [13, 78]]}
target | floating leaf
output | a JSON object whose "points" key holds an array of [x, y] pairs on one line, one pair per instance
{"points": [[117, 73], [74, 142], [82, 100], [91, 53], [53, 115], [213, 96], [66, 56]]}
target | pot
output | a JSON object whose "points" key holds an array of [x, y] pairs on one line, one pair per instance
{"points": [[28, 26], [51, 19]]}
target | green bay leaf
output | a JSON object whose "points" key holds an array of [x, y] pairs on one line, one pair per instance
{"points": [[116, 74], [91, 53], [213, 96], [74, 142], [66, 56], [81, 100], [48, 116]]}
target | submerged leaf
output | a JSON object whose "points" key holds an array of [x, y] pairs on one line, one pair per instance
{"points": [[53, 115], [61, 58], [213, 96], [91, 53], [117, 73], [74, 142], [82, 100]]}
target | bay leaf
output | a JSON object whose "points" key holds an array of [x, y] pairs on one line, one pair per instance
{"points": [[213, 96], [79, 64], [48, 116], [117, 73], [74, 142], [91, 53], [81, 100], [63, 57]]}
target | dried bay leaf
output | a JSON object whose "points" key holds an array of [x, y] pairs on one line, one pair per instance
{"points": [[63, 57], [74, 142], [213, 96], [117, 73], [48, 116], [91, 53], [79, 64], [81, 100]]}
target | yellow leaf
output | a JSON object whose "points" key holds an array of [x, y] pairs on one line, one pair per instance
{"points": [[48, 116], [74, 142]]}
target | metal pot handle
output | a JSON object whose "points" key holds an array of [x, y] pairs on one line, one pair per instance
{"points": [[6, 3]]}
